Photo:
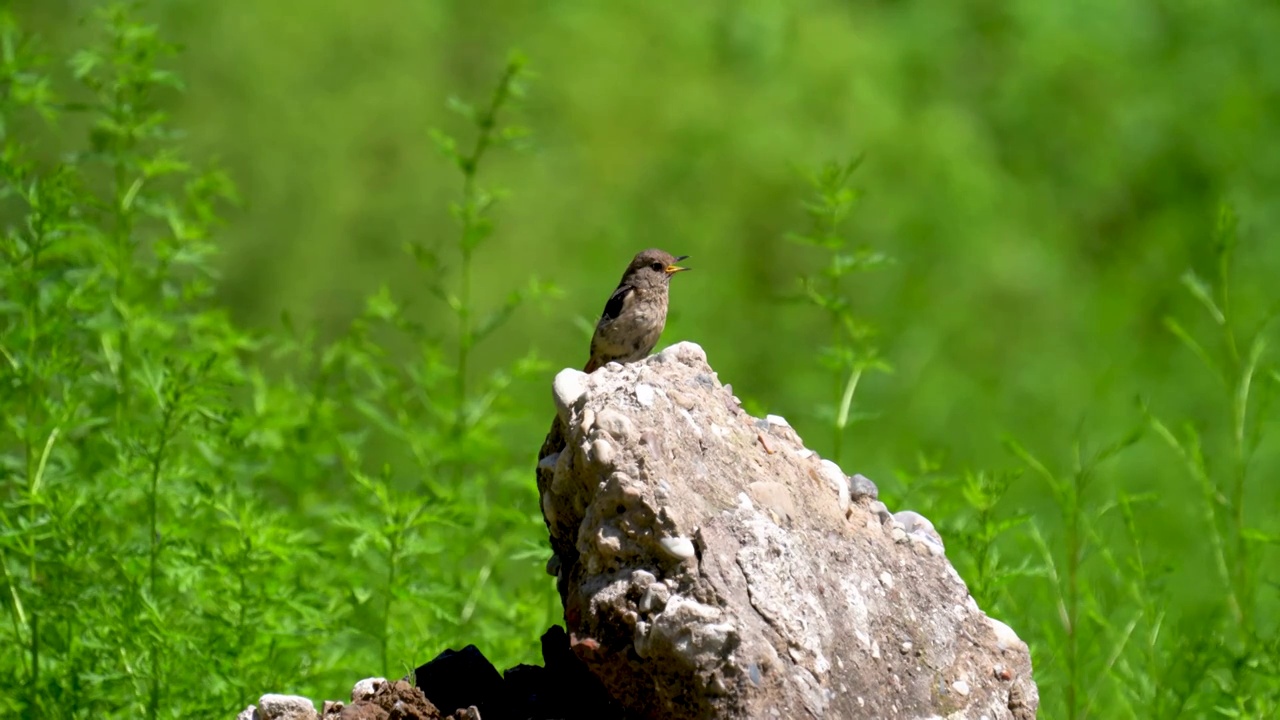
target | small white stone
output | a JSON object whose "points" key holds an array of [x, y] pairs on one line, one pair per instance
{"points": [[568, 387], [804, 453], [899, 535], [286, 707], [875, 649], [836, 478], [644, 394], [1006, 638], [678, 547], [906, 647], [364, 689], [777, 420], [249, 713], [886, 580], [961, 687]]}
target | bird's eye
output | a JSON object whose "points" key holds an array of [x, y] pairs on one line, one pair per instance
{"points": [[657, 266]]}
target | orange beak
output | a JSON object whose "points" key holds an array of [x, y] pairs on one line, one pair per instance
{"points": [[673, 269]]}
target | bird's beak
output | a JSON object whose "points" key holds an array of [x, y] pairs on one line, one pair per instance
{"points": [[673, 269]]}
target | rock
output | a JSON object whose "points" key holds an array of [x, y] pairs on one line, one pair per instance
{"points": [[249, 713], [365, 689], [463, 678], [860, 487], [838, 481], [286, 707], [567, 389], [779, 603]]}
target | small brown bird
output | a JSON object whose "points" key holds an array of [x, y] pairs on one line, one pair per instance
{"points": [[636, 312], [628, 328]]}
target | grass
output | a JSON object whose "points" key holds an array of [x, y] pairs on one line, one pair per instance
{"points": [[195, 512]]}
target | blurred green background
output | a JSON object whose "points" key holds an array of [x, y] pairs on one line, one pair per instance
{"points": [[1042, 173]]}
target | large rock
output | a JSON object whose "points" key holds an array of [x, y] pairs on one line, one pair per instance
{"points": [[711, 566]]}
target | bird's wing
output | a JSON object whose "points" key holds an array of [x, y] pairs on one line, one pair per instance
{"points": [[617, 301]]}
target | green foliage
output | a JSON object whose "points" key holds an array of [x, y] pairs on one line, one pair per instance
{"points": [[1113, 632], [192, 512], [850, 353]]}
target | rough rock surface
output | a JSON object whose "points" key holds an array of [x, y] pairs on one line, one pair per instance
{"points": [[711, 566]]}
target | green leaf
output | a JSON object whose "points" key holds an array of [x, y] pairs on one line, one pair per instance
{"points": [[1201, 291]]}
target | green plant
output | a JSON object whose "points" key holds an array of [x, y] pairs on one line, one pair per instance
{"points": [[164, 549], [849, 353]]}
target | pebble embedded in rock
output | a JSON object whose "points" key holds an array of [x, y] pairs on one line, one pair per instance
{"points": [[568, 387], [1006, 638], [678, 547], [602, 451], [686, 353], [961, 687], [916, 524], [616, 424], [836, 478], [644, 395], [655, 598], [861, 487], [549, 462]]}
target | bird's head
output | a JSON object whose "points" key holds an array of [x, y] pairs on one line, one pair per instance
{"points": [[653, 268]]}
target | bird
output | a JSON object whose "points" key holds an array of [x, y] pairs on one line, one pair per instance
{"points": [[628, 329], [636, 312]]}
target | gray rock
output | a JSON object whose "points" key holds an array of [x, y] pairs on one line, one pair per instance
{"points": [[249, 713], [792, 592], [861, 487]]}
